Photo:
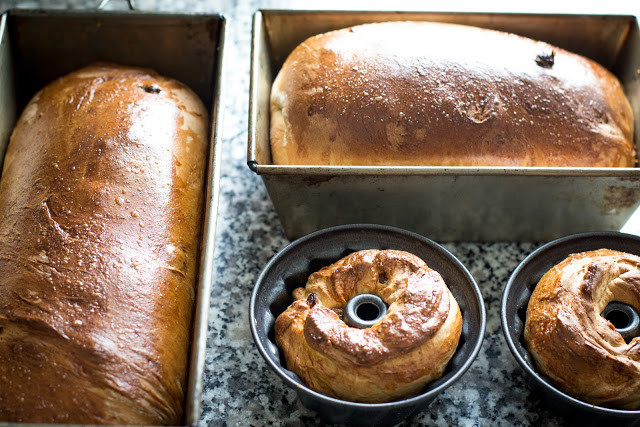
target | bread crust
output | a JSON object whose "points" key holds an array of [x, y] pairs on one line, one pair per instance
{"points": [[571, 343], [100, 218], [434, 94], [395, 358]]}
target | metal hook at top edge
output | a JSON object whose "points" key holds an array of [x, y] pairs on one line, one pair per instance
{"points": [[103, 3]]}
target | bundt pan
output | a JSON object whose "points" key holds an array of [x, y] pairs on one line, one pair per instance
{"points": [[291, 267], [515, 299]]}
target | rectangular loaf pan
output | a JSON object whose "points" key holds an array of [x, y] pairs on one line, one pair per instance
{"points": [[448, 203], [38, 46]]}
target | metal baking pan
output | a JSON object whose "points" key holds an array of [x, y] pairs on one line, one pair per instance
{"points": [[448, 203], [37, 46], [513, 308]]}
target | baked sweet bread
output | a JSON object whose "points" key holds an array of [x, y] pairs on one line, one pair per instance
{"points": [[101, 199], [397, 356], [435, 94], [569, 339]]}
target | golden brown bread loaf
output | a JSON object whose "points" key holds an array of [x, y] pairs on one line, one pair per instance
{"points": [[408, 348], [100, 212], [422, 93], [572, 343]]}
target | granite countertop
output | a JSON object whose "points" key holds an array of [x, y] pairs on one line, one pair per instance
{"points": [[240, 390]]}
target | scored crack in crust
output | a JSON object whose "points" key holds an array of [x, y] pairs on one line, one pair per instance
{"points": [[572, 343], [408, 348]]}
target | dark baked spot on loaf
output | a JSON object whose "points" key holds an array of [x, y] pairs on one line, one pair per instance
{"points": [[312, 299], [151, 89], [546, 60], [592, 277]]}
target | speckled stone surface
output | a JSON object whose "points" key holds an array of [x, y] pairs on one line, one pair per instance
{"points": [[240, 390]]}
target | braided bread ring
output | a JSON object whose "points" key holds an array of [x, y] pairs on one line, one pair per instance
{"points": [[409, 347], [572, 343]]}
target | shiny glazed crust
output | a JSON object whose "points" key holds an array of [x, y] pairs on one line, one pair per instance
{"points": [[572, 343], [409, 347], [100, 218], [421, 93]]}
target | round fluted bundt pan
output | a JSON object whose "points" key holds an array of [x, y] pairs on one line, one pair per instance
{"points": [[290, 269], [515, 301]]}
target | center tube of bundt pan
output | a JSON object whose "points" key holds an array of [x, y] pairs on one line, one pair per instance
{"points": [[364, 311], [624, 318]]}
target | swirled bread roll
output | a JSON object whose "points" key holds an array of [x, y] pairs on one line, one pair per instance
{"points": [[100, 215], [572, 343], [396, 357], [434, 94]]}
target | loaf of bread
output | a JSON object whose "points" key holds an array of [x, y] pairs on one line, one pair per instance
{"points": [[100, 215], [432, 94], [569, 339], [407, 348]]}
